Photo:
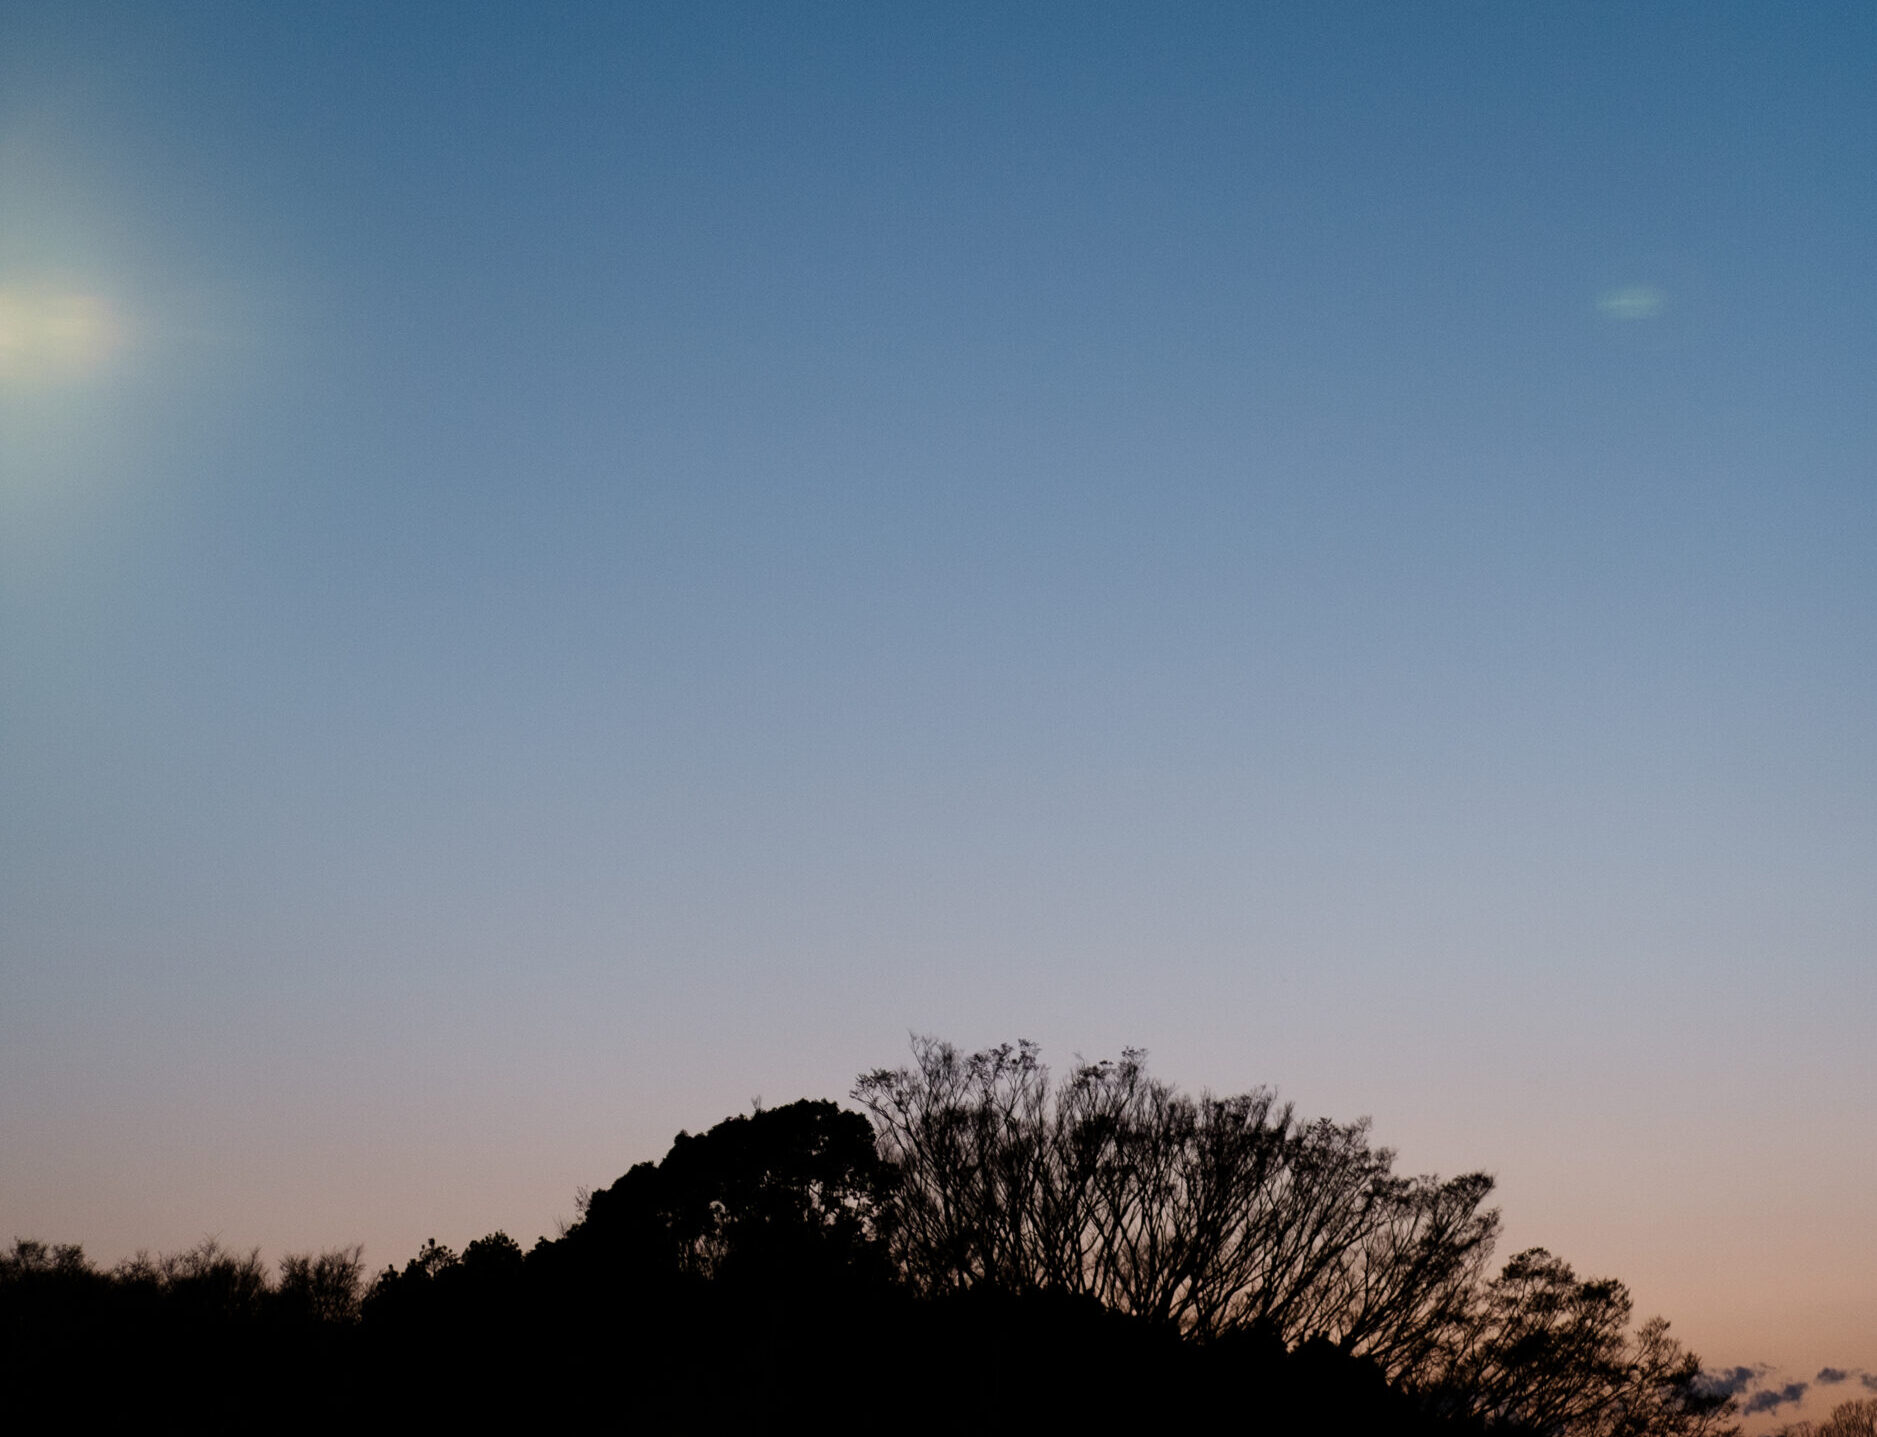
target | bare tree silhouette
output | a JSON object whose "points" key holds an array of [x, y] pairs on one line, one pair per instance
{"points": [[1857, 1418], [1214, 1216], [1210, 1214]]}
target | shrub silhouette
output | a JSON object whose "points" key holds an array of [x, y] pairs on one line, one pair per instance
{"points": [[201, 1340]]}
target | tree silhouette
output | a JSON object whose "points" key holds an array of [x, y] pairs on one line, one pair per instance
{"points": [[1207, 1214], [1218, 1217], [985, 1244], [1857, 1418], [1546, 1352], [780, 1191]]}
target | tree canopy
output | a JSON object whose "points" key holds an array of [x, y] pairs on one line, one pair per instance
{"points": [[768, 1193], [1219, 1215]]}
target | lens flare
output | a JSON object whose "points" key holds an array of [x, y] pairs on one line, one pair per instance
{"points": [[55, 335]]}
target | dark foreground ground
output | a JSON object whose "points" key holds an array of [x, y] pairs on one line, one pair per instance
{"points": [[684, 1358]]}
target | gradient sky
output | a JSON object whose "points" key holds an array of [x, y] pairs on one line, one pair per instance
{"points": [[564, 567]]}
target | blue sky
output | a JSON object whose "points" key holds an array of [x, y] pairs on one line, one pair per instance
{"points": [[564, 567]]}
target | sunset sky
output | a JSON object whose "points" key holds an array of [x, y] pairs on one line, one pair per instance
{"points": [[566, 567]]}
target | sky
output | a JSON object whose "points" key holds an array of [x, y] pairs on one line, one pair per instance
{"points": [[567, 568]]}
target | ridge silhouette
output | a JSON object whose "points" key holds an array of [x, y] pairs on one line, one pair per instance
{"points": [[983, 1244]]}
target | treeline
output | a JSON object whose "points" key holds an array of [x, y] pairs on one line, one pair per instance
{"points": [[985, 1244], [1857, 1418]]}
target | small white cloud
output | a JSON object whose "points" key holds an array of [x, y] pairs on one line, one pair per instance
{"points": [[1632, 301]]}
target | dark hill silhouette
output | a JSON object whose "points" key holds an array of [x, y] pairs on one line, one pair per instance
{"points": [[984, 1246]]}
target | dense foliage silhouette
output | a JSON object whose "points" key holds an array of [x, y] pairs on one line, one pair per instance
{"points": [[984, 1245]]}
